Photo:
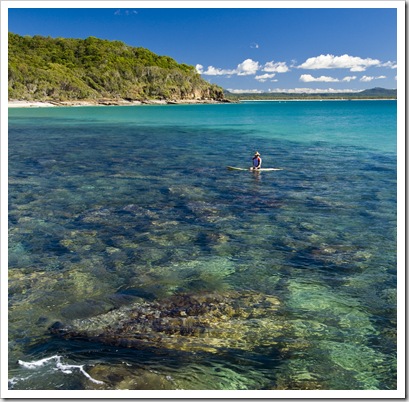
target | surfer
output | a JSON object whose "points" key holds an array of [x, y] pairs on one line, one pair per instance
{"points": [[256, 161]]}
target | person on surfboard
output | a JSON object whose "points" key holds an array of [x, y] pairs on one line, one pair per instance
{"points": [[256, 161]]}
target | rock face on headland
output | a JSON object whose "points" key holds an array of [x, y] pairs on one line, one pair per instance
{"points": [[45, 69], [205, 322]]}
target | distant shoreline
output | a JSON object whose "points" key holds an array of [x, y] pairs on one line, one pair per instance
{"points": [[317, 100]]}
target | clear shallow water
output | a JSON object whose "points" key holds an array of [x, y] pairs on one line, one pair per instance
{"points": [[110, 202]]}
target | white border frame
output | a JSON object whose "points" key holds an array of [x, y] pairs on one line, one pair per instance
{"points": [[200, 394]]}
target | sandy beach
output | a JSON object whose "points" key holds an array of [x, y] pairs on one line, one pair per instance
{"points": [[29, 104], [26, 104], [105, 102]]}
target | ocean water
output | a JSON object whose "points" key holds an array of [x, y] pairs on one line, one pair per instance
{"points": [[120, 208]]}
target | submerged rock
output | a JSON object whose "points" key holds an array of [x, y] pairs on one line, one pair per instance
{"points": [[203, 322], [86, 308]]}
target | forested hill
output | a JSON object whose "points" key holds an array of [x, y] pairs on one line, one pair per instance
{"points": [[47, 69]]}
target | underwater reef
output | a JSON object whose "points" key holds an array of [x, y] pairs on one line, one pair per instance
{"points": [[202, 322]]}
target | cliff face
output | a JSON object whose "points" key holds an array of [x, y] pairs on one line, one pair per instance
{"points": [[48, 69]]}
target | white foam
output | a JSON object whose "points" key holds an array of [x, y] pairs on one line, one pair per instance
{"points": [[38, 363], [59, 366], [13, 381]]}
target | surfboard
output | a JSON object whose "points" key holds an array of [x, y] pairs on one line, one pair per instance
{"points": [[253, 170]]}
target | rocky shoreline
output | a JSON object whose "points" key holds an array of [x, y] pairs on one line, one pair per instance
{"points": [[110, 102]]}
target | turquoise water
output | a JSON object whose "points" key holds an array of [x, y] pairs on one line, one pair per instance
{"points": [[113, 201]]}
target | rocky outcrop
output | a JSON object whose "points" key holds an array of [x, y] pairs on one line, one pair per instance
{"points": [[205, 322]]}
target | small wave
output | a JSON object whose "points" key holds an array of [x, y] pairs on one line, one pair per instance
{"points": [[13, 381], [64, 368]]}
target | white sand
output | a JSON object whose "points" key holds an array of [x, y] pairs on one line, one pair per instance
{"points": [[29, 104], [106, 102]]}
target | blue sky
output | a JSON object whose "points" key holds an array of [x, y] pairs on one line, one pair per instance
{"points": [[242, 49]]}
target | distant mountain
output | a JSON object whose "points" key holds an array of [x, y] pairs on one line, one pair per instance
{"points": [[374, 93], [46, 69], [379, 92]]}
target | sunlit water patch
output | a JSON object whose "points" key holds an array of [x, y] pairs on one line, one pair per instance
{"points": [[116, 211]]}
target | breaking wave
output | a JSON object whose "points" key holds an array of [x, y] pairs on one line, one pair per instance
{"points": [[53, 363]]}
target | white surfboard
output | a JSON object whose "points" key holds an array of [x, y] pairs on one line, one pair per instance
{"points": [[253, 170]]}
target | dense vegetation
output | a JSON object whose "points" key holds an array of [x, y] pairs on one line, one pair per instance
{"points": [[374, 93], [44, 68]]}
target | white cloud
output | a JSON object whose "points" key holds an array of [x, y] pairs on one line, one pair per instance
{"points": [[247, 91], [349, 79], [344, 61], [278, 67], [312, 90], [248, 67], [294, 91], [357, 69], [390, 64], [366, 78], [216, 71], [254, 45], [264, 77], [293, 63], [125, 12], [323, 78]]}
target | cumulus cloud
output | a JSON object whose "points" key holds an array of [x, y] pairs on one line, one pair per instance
{"points": [[295, 91], [248, 67], [217, 71], [366, 78], [246, 91], [264, 77], [349, 79], [278, 67], [344, 61], [390, 64], [254, 45], [312, 90], [324, 78], [213, 70]]}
